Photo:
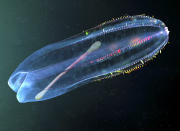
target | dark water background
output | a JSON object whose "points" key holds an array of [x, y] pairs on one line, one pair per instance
{"points": [[145, 100]]}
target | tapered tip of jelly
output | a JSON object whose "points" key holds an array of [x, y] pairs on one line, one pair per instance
{"points": [[20, 98], [40, 94]]}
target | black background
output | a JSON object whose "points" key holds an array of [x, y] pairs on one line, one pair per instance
{"points": [[145, 100]]}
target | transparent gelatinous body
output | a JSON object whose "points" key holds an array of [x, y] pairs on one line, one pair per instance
{"points": [[114, 46]]}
